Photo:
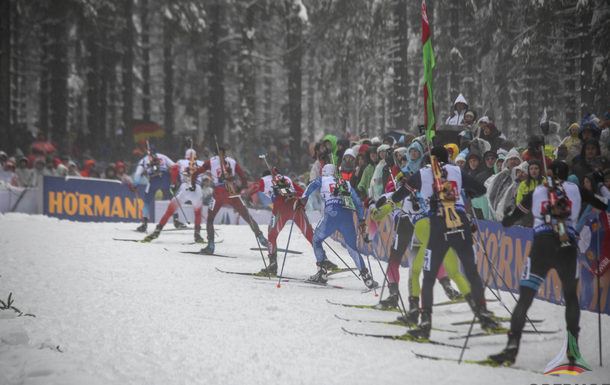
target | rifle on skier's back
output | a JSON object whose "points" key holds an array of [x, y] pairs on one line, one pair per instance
{"points": [[342, 189], [280, 185], [226, 176]]}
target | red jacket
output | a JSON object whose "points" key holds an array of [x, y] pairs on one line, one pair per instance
{"points": [[527, 156]]}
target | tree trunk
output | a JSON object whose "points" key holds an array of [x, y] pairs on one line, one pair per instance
{"points": [[5, 75], [401, 70], [293, 63], [168, 80], [311, 96], [58, 71], [248, 83], [93, 82], [586, 63], [216, 107], [454, 55], [128, 57], [145, 60], [344, 93]]}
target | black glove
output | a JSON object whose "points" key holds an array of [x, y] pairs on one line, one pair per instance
{"points": [[381, 201], [193, 187], [598, 177]]}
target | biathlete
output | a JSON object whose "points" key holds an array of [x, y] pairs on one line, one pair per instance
{"points": [[554, 247], [449, 228], [336, 218], [411, 230], [183, 168], [157, 166], [222, 184], [282, 192]]}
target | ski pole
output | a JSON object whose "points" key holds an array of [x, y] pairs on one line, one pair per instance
{"points": [[371, 272], [256, 235], [599, 294], [393, 276], [286, 251], [179, 205], [341, 259], [490, 261]]}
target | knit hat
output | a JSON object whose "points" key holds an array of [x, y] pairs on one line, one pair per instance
{"points": [[383, 147], [484, 119], [459, 158], [349, 151], [363, 148]]}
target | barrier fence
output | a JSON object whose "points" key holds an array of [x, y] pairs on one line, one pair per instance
{"points": [[514, 250]]}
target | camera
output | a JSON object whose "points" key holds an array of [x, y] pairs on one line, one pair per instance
{"points": [[422, 129]]}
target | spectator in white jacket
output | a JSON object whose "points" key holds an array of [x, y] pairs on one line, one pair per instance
{"points": [[460, 107]]}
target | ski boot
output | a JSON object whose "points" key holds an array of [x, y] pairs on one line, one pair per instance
{"points": [[423, 329], [413, 315], [393, 298], [452, 294], [367, 279], [177, 223], [209, 249], [198, 238], [271, 267], [321, 276], [262, 240], [509, 354], [330, 267], [485, 316], [142, 228], [153, 235]]}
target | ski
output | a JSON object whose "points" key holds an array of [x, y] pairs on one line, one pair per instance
{"points": [[459, 300], [338, 271], [212, 255], [502, 331], [486, 362], [280, 250], [129, 240], [396, 322], [374, 307], [501, 319], [404, 337], [259, 274]]}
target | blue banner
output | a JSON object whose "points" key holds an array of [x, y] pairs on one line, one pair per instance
{"points": [[514, 251], [92, 200]]}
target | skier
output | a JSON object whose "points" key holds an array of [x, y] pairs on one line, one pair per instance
{"points": [[554, 248], [156, 165], [446, 233], [185, 168], [336, 218], [282, 191], [411, 219], [224, 184]]}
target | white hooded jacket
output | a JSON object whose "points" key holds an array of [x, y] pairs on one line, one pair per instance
{"points": [[458, 117]]}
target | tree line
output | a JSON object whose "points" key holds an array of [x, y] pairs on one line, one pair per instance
{"points": [[239, 70]]}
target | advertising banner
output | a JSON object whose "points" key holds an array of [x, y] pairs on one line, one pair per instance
{"points": [[514, 250], [92, 200]]}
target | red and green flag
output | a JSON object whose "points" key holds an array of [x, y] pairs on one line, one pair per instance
{"points": [[429, 118]]}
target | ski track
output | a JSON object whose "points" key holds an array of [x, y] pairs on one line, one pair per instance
{"points": [[129, 313]]}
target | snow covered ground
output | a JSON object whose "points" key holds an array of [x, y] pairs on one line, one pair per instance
{"points": [[112, 312]]}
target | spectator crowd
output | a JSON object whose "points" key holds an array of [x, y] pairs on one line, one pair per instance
{"points": [[372, 165]]}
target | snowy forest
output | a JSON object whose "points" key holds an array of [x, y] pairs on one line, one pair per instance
{"points": [[88, 70]]}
